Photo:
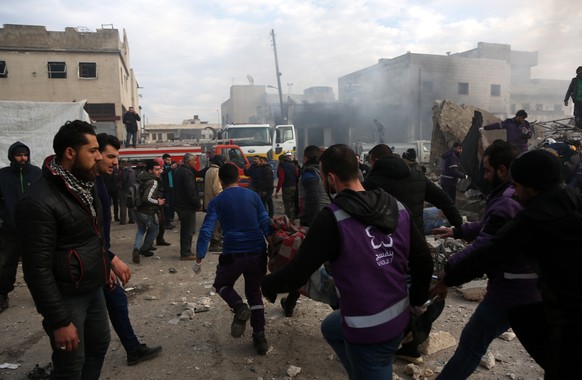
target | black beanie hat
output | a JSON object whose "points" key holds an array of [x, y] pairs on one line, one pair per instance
{"points": [[409, 154], [19, 150], [538, 169]]}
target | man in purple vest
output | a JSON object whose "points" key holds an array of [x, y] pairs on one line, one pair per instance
{"points": [[518, 130], [372, 245]]}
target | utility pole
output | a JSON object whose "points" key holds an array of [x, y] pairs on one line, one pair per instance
{"points": [[283, 113]]}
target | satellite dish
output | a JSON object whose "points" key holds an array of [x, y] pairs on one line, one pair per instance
{"points": [[250, 79]]}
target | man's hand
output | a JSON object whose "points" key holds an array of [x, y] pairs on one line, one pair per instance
{"points": [[66, 338], [566, 103], [440, 290], [267, 293], [161, 201], [197, 266], [121, 270], [443, 232], [276, 195]]}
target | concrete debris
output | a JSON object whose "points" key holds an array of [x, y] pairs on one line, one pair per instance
{"points": [[151, 298], [293, 370], [413, 370], [488, 360], [507, 336], [9, 366], [473, 294], [437, 341]]}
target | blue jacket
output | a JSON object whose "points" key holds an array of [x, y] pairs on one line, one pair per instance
{"points": [[517, 134], [451, 170]]}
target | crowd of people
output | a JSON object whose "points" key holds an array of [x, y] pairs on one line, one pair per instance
{"points": [[364, 225]]}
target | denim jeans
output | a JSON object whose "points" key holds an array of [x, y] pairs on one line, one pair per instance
{"points": [[131, 136], [187, 230], [487, 323], [117, 307], [361, 361], [253, 268], [89, 315], [147, 225]]}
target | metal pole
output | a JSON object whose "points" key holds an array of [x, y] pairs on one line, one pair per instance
{"points": [[283, 114]]}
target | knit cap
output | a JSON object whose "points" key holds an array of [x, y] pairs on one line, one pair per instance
{"points": [[538, 169]]}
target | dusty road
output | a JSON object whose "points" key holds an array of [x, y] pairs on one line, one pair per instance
{"points": [[201, 347]]}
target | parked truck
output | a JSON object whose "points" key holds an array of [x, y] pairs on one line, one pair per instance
{"points": [[262, 139]]}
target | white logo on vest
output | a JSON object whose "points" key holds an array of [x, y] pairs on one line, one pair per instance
{"points": [[384, 257]]}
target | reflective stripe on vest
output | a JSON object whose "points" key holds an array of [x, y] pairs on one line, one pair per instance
{"points": [[520, 276], [380, 318]]}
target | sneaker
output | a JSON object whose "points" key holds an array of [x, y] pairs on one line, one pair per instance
{"points": [[287, 309], [163, 242], [409, 354], [135, 256], [142, 354], [147, 253], [260, 343], [3, 302], [242, 314]]}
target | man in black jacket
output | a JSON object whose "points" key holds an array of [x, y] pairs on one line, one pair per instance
{"points": [[15, 180], [130, 120], [65, 263], [186, 202], [548, 234], [408, 185], [575, 92]]}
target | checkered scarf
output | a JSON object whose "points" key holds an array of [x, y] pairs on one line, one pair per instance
{"points": [[83, 189]]}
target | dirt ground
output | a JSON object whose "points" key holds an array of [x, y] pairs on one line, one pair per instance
{"points": [[202, 348]]}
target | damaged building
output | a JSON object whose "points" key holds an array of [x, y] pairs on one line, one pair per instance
{"points": [[400, 92]]}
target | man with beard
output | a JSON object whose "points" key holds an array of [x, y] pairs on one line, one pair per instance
{"points": [[65, 264], [372, 246], [546, 233], [15, 180], [575, 92], [514, 284]]}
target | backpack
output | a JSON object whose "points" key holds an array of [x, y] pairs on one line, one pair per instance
{"points": [[135, 196]]}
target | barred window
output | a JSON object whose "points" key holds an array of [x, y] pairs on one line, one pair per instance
{"points": [[3, 70], [88, 70]]}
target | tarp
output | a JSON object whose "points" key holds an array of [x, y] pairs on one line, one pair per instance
{"points": [[35, 124]]}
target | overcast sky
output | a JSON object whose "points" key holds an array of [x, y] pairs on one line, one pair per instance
{"points": [[187, 53]]}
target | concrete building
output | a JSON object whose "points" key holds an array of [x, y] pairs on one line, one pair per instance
{"points": [[400, 92], [191, 131], [41, 65]]}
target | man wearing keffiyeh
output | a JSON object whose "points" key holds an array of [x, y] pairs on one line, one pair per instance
{"points": [[63, 253]]}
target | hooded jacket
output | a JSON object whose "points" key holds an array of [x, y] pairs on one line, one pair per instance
{"points": [[323, 243], [411, 187], [547, 233], [63, 251], [15, 181], [451, 170]]}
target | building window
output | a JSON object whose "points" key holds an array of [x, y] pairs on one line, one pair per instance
{"points": [[463, 88], [427, 86], [101, 111], [87, 70], [495, 90], [3, 70], [57, 70]]}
